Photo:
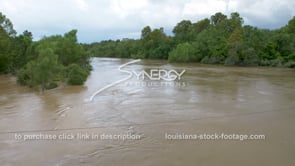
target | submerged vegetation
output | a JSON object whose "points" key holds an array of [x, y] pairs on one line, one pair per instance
{"points": [[44, 63], [217, 40]]}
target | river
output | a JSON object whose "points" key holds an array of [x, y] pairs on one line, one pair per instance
{"points": [[63, 127]]}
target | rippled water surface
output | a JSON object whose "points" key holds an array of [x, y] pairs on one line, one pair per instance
{"points": [[207, 99]]}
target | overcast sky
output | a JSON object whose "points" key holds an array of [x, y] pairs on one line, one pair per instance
{"points": [[98, 20]]}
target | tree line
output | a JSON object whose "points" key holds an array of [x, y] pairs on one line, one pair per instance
{"points": [[215, 40], [60, 59], [45, 63]]}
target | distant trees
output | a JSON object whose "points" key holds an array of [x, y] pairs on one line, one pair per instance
{"points": [[153, 44], [120, 48], [226, 41], [220, 39]]}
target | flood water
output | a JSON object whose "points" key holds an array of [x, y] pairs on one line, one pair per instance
{"points": [[206, 100]]}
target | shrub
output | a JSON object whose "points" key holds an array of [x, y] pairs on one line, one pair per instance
{"points": [[250, 57], [181, 53], [76, 75]]}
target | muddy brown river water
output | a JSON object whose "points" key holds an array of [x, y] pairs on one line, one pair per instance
{"points": [[144, 122]]}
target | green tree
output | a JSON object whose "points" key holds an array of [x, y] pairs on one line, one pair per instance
{"points": [[218, 18], [145, 33], [235, 47], [213, 45], [235, 22], [5, 43], [250, 57], [6, 36], [217, 40], [182, 31], [155, 44], [7, 25], [20, 46], [291, 26], [42, 71], [199, 27], [49, 60], [182, 53], [76, 75]]}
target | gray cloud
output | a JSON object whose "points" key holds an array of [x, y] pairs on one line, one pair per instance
{"points": [[111, 19]]}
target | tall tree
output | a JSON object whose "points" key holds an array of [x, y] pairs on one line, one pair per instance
{"points": [[235, 46], [218, 18], [7, 25], [20, 45], [155, 43], [291, 26], [145, 33], [200, 26], [182, 31], [6, 36], [42, 71]]}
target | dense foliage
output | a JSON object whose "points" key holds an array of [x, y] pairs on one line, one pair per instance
{"points": [[44, 63], [218, 40]]}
